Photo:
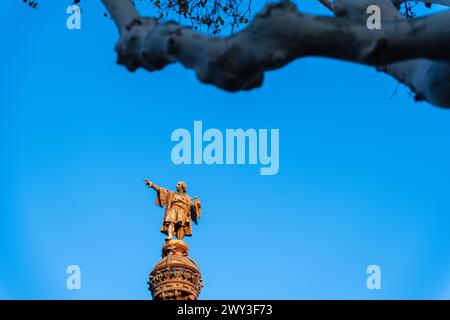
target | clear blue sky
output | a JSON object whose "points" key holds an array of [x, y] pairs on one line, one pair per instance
{"points": [[364, 179]]}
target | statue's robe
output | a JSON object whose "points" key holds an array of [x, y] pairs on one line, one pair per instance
{"points": [[178, 210]]}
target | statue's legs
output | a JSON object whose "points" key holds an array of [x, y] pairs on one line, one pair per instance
{"points": [[180, 233], [170, 230]]}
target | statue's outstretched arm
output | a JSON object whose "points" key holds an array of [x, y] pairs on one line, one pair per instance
{"points": [[150, 184]]}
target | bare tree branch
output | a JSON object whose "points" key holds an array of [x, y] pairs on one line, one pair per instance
{"points": [[278, 35], [121, 11], [428, 79]]}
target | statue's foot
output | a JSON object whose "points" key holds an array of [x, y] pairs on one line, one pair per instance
{"points": [[168, 238]]}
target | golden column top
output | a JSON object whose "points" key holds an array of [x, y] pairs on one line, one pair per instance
{"points": [[175, 276]]}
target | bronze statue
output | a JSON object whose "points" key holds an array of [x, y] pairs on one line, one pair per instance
{"points": [[180, 210], [176, 276]]}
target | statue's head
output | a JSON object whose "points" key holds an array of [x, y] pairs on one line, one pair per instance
{"points": [[181, 187]]}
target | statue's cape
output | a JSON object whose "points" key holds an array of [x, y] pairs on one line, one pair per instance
{"points": [[196, 210]]}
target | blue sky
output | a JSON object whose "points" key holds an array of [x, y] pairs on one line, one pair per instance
{"points": [[364, 179]]}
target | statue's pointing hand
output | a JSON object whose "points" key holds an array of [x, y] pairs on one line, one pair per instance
{"points": [[148, 183]]}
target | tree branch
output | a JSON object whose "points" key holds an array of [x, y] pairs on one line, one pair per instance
{"points": [[121, 11], [278, 35], [429, 80]]}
